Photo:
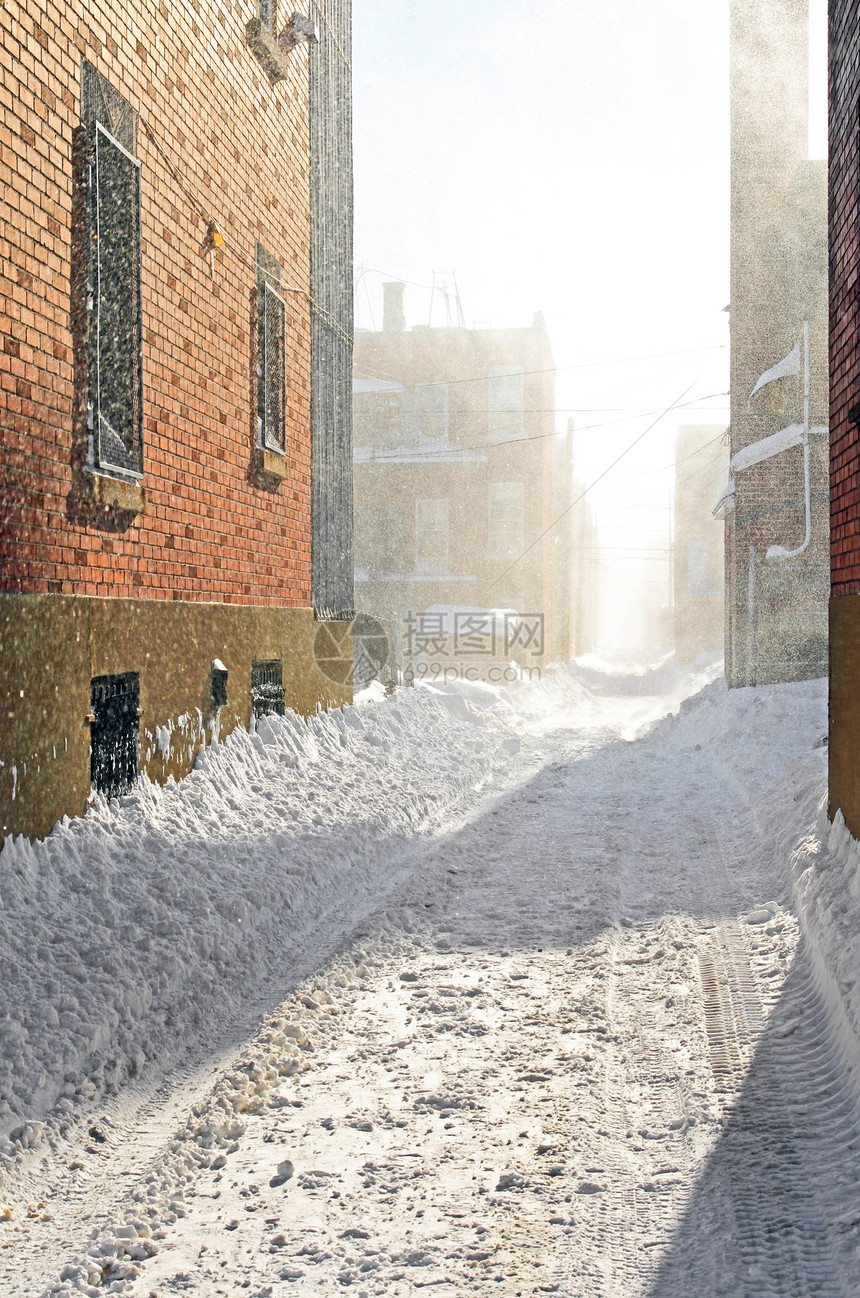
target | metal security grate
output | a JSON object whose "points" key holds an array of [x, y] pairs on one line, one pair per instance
{"points": [[114, 301], [267, 688], [101, 102], [115, 712], [273, 408]]}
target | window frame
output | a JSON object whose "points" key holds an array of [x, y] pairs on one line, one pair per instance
{"points": [[97, 455], [422, 413], [515, 415], [271, 441], [433, 564]]}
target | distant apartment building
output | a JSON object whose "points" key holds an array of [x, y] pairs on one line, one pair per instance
{"points": [[462, 493], [176, 372], [844, 746], [775, 504], [698, 563], [578, 559]]}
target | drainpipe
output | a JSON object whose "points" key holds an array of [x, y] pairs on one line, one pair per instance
{"points": [[779, 551], [751, 612]]}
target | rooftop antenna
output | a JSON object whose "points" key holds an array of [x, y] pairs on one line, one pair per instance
{"points": [[445, 283]]}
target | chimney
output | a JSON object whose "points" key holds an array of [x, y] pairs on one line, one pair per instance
{"points": [[393, 319]]}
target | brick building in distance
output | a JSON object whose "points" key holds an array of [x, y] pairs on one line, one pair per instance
{"points": [[459, 478], [776, 504], [176, 503], [698, 561]]}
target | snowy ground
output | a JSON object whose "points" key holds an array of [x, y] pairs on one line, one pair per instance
{"points": [[460, 991]]}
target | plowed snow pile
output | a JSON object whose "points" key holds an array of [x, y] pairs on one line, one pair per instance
{"points": [[124, 931]]}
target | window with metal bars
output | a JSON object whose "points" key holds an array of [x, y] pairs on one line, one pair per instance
{"points": [[271, 355], [114, 332], [114, 724], [271, 388], [267, 688]]}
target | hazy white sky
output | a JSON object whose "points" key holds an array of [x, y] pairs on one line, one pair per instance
{"points": [[569, 157]]}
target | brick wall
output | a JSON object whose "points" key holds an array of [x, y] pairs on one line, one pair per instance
{"points": [[844, 322], [776, 611], [217, 140], [387, 492]]}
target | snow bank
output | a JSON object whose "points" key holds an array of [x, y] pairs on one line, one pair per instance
{"points": [[826, 872], [137, 926], [125, 931], [772, 741]]}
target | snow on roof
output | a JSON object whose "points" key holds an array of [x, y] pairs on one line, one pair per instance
{"points": [[767, 447]]}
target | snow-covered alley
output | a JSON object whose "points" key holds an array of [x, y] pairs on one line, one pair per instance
{"points": [[473, 991]]}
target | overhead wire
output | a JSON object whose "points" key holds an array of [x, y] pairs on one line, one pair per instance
{"points": [[447, 449], [561, 369], [673, 464], [592, 484], [238, 251]]}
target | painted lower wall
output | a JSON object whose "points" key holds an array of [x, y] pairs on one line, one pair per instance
{"points": [[52, 645], [844, 743]]}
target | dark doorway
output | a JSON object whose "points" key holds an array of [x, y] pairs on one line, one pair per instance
{"points": [[267, 688], [115, 708]]}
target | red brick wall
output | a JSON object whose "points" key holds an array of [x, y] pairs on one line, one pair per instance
{"points": [[844, 320], [212, 530]]}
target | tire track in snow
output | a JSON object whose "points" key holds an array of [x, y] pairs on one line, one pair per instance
{"points": [[788, 1120]]}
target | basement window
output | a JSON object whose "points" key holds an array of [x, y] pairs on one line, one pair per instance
{"points": [[114, 740], [267, 688]]}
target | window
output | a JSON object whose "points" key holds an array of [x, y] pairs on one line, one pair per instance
{"points": [[271, 339], [505, 402], [115, 709], [377, 417], [114, 328], [505, 518], [431, 401], [267, 688], [431, 537]]}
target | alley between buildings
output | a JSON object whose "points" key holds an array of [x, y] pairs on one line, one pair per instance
{"points": [[578, 1048]]}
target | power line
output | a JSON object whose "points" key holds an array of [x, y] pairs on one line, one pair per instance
{"points": [[239, 252], [673, 464], [535, 437], [560, 369], [600, 476], [701, 469]]}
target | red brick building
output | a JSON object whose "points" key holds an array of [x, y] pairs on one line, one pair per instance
{"points": [[776, 511], [844, 77], [698, 560], [165, 254], [459, 480]]}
